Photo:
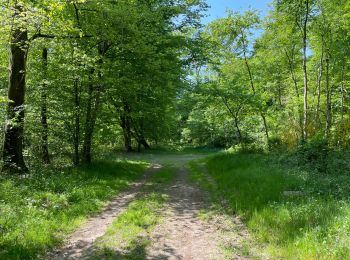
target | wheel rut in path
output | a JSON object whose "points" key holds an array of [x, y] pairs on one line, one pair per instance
{"points": [[82, 240], [183, 235]]}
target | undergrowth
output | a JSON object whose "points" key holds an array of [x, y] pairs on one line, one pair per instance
{"points": [[38, 210]]}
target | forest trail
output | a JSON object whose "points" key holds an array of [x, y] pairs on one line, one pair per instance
{"points": [[181, 234], [81, 242]]}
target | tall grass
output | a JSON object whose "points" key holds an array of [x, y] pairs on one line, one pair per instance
{"points": [[292, 214], [37, 211]]}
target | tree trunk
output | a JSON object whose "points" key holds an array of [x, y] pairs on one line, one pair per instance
{"points": [[306, 120], [235, 116], [142, 141], [291, 61], [13, 138], [240, 138], [93, 104], [88, 123], [329, 102], [126, 126], [76, 134], [342, 92], [253, 87], [126, 133], [139, 134], [319, 82], [265, 125], [279, 92], [292, 72], [44, 124]]}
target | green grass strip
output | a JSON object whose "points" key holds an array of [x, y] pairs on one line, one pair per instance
{"points": [[128, 236]]}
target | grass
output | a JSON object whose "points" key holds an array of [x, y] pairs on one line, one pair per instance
{"points": [[164, 175], [311, 222], [39, 210], [129, 234]]}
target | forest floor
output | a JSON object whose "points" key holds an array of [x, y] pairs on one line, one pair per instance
{"points": [[159, 217], [178, 205]]}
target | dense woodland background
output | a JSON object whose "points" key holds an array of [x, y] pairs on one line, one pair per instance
{"points": [[89, 76]]}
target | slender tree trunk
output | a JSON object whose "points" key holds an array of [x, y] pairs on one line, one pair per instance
{"points": [[252, 84], [296, 88], [279, 95], [265, 125], [329, 101], [319, 83], [235, 117], [254, 92], [342, 92], [125, 123], [93, 104], [240, 138], [44, 124], [305, 23], [13, 138], [88, 123], [126, 126], [76, 135], [292, 72]]}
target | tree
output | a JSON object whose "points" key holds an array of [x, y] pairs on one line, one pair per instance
{"points": [[233, 34]]}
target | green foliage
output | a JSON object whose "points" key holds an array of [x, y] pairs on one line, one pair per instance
{"points": [[255, 85], [276, 145], [39, 210], [314, 153]]}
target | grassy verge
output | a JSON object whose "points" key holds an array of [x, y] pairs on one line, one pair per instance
{"points": [[292, 214], [39, 210], [129, 234]]}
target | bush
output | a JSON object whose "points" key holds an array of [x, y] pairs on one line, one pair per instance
{"points": [[314, 153], [275, 144]]}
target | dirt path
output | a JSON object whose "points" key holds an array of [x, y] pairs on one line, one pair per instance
{"points": [[81, 241], [183, 235]]}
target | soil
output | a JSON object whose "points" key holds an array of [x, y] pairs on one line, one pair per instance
{"points": [[183, 235]]}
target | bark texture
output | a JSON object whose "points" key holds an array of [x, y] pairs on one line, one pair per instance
{"points": [[13, 138]]}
